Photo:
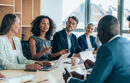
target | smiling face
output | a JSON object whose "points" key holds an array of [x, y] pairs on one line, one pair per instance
{"points": [[89, 29], [44, 25], [71, 24], [15, 26]]}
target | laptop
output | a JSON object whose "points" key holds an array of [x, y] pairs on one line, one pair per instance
{"points": [[57, 63]]}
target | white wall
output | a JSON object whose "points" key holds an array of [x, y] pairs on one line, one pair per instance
{"points": [[53, 9]]}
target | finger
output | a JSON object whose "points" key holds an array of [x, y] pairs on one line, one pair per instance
{"points": [[37, 67], [43, 46], [50, 47], [66, 49]]}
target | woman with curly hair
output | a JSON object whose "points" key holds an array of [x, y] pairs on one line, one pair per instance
{"points": [[40, 46], [128, 18]]}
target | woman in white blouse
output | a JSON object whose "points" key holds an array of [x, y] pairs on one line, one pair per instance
{"points": [[11, 55]]}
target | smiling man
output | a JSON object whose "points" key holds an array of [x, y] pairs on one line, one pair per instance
{"points": [[64, 39]]}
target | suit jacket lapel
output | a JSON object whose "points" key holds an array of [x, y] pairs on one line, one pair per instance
{"points": [[65, 42], [72, 43], [91, 40], [85, 41]]}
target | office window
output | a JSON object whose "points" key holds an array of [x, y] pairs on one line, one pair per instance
{"points": [[76, 8], [126, 14], [100, 8], [126, 35]]}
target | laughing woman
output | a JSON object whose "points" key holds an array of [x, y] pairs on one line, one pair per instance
{"points": [[87, 41]]}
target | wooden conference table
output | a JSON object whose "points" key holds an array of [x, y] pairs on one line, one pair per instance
{"points": [[53, 76]]}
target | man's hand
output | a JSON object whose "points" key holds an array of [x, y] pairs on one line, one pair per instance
{"points": [[77, 55], [1, 75], [77, 75], [88, 64], [43, 63], [66, 75], [33, 67], [64, 51]]}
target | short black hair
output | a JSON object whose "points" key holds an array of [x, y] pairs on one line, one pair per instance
{"points": [[128, 18], [109, 24], [75, 18]]}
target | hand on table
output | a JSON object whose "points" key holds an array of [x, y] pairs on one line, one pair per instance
{"points": [[43, 63], [88, 64], [33, 67], [66, 75], [77, 75]]}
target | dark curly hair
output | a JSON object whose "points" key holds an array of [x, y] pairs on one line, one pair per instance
{"points": [[128, 18], [36, 29]]}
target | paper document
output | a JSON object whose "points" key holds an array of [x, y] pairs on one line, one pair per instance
{"points": [[57, 63], [87, 54]]}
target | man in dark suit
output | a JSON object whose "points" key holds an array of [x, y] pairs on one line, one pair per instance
{"points": [[113, 57], [64, 39]]}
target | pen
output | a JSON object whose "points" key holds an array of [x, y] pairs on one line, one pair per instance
{"points": [[43, 81]]}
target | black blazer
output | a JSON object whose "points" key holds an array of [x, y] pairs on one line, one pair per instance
{"points": [[60, 43]]}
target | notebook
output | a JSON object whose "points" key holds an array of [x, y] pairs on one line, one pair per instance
{"points": [[57, 63]]}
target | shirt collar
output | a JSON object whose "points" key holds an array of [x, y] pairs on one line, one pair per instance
{"points": [[114, 38], [67, 33]]}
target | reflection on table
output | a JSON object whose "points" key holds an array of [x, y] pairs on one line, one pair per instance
{"points": [[53, 76]]}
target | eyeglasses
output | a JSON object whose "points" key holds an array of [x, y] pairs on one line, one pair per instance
{"points": [[72, 23]]}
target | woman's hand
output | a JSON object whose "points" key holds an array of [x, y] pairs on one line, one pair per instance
{"points": [[46, 49], [43, 63], [33, 67]]}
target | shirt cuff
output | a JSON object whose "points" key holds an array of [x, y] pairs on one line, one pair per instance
{"points": [[68, 79]]}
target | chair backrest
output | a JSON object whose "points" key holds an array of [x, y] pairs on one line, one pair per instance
{"points": [[26, 49]]}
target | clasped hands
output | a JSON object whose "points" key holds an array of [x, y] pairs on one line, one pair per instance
{"points": [[68, 74], [88, 64], [37, 65]]}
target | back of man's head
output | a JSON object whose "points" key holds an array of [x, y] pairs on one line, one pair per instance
{"points": [[109, 26]]}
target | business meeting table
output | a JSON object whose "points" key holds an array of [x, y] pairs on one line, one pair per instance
{"points": [[52, 76]]}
